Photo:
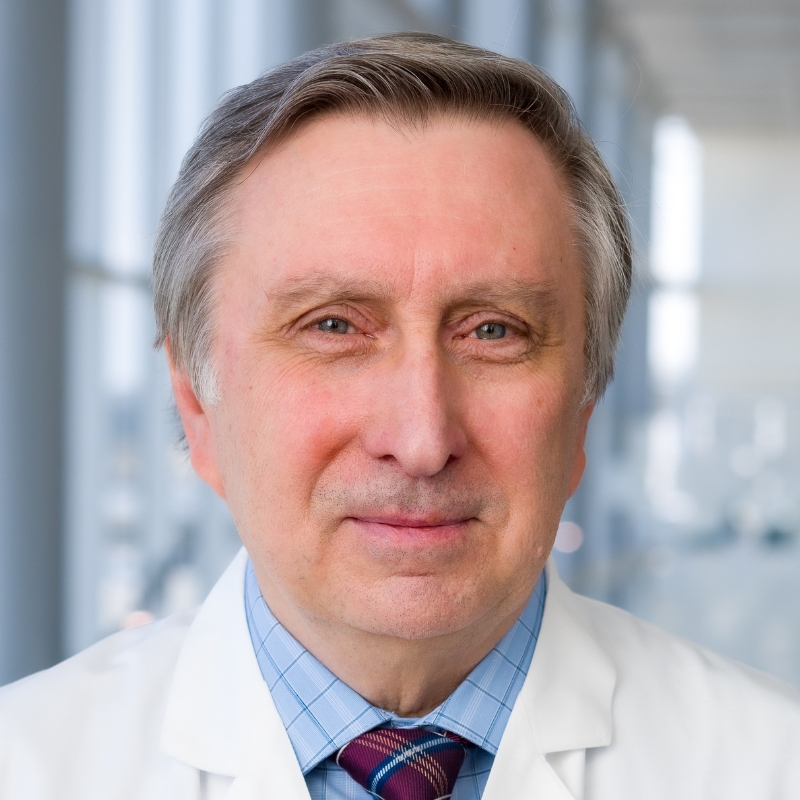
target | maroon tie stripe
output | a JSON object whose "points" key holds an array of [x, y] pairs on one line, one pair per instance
{"points": [[404, 763]]}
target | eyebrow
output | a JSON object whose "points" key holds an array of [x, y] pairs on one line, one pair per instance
{"points": [[324, 287], [537, 298]]}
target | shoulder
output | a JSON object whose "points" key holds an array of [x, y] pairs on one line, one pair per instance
{"points": [[110, 699], [649, 658], [676, 703], [130, 663]]}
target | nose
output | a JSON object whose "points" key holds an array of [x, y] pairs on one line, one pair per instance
{"points": [[414, 420]]}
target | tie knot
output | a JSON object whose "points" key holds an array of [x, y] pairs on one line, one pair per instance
{"points": [[404, 763]]}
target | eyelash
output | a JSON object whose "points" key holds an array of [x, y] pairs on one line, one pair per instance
{"points": [[513, 330], [515, 333], [347, 317], [492, 322]]}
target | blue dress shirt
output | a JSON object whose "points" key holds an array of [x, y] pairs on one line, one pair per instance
{"points": [[321, 713]]}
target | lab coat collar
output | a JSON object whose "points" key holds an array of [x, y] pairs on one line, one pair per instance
{"points": [[221, 719], [220, 716], [570, 685], [563, 708]]}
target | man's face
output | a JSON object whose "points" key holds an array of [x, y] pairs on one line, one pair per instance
{"points": [[399, 344]]}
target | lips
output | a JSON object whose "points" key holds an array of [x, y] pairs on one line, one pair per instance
{"points": [[416, 542], [428, 522]]}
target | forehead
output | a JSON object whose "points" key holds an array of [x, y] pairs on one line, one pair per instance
{"points": [[422, 205]]}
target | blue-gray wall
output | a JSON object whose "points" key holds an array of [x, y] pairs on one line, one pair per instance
{"points": [[32, 80]]}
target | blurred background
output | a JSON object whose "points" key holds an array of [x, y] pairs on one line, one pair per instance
{"points": [[689, 514]]}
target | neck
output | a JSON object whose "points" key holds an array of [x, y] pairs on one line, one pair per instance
{"points": [[409, 677]]}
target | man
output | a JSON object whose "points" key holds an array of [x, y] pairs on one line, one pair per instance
{"points": [[390, 278]]}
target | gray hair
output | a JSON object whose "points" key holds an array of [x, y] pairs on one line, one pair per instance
{"points": [[405, 78]]}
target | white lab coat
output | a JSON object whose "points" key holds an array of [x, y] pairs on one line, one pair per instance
{"points": [[612, 709]]}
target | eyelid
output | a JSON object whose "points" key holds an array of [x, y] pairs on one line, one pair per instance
{"points": [[342, 311], [474, 321]]}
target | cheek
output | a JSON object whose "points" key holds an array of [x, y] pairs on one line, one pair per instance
{"points": [[280, 419], [524, 433], [527, 446], [287, 426], [282, 430]]}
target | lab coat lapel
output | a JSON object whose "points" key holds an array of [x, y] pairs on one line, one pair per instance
{"points": [[270, 770], [519, 771], [220, 715], [564, 707], [221, 718]]}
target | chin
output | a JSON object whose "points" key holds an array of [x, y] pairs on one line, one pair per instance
{"points": [[415, 609]]}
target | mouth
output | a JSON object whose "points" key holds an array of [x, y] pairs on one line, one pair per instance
{"points": [[389, 536], [412, 523]]}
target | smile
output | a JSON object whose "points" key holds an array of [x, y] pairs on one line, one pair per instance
{"points": [[421, 523], [387, 536]]}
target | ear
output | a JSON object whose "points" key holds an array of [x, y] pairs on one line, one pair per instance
{"points": [[579, 462], [197, 427]]}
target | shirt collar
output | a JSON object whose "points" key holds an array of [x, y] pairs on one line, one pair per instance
{"points": [[321, 713]]}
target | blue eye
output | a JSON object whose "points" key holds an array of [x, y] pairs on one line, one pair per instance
{"points": [[334, 325], [491, 330]]}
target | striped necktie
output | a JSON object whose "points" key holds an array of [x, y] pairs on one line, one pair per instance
{"points": [[404, 763]]}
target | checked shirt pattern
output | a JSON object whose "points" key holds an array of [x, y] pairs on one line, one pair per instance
{"points": [[322, 714]]}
